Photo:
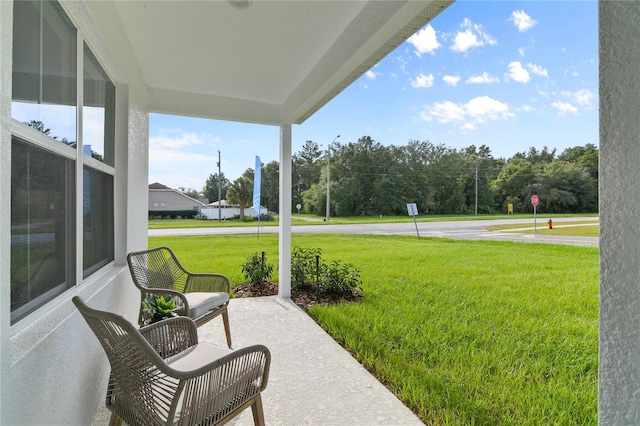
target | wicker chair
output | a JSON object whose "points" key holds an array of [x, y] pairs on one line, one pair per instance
{"points": [[201, 297], [161, 375]]}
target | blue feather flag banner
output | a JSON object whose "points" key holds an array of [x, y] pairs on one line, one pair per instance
{"points": [[257, 181]]}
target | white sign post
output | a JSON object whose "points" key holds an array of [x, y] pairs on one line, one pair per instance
{"points": [[298, 206], [412, 209], [534, 202]]}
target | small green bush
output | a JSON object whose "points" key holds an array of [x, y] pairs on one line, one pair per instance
{"points": [[307, 271], [305, 266], [339, 278], [256, 269]]}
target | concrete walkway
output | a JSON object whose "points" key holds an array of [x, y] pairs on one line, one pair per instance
{"points": [[313, 380]]}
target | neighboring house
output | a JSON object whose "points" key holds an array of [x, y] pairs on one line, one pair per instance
{"points": [[228, 211], [93, 71], [163, 198]]}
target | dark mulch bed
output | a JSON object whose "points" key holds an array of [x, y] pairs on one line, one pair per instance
{"points": [[304, 298]]}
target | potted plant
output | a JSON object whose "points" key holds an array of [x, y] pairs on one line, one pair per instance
{"points": [[157, 308]]}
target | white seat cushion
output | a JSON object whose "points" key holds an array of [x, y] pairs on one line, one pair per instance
{"points": [[197, 356], [200, 303]]}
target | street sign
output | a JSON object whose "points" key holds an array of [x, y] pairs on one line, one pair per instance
{"points": [[534, 200], [412, 209]]}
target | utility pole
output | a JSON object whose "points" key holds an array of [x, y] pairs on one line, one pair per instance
{"points": [[219, 189], [328, 177], [476, 190]]}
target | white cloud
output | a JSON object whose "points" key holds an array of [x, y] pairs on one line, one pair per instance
{"points": [[564, 108], [522, 51], [403, 64], [173, 147], [472, 35], [485, 78], [451, 80], [583, 97], [522, 21], [175, 140], [422, 81], [371, 75], [485, 108], [425, 41], [444, 112], [517, 73], [537, 69], [478, 110], [527, 108]]}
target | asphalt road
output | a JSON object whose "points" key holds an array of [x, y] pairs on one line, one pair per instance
{"points": [[469, 230]]}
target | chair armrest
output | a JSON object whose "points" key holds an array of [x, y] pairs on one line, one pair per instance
{"points": [[238, 377], [171, 336], [216, 283]]}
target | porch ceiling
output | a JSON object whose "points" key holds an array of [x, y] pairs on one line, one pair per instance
{"points": [[275, 62]]}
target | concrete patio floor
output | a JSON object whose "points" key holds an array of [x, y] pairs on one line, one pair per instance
{"points": [[313, 380]]}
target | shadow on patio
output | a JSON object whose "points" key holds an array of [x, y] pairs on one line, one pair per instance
{"points": [[313, 380]]}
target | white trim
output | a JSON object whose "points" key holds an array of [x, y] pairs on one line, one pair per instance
{"points": [[79, 158], [39, 139]]}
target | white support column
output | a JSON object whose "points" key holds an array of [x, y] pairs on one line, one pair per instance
{"points": [[284, 265], [619, 332]]}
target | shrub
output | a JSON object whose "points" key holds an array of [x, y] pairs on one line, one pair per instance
{"points": [[256, 269], [308, 271], [172, 214], [305, 266], [266, 217], [339, 278]]}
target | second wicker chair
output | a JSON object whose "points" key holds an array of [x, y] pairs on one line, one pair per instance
{"points": [[201, 297]]}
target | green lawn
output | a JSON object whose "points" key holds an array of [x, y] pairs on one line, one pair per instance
{"points": [[463, 332]]}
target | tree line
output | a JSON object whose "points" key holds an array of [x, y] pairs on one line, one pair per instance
{"points": [[368, 178]]}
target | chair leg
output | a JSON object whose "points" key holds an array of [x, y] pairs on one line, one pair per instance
{"points": [[256, 409], [115, 420], [227, 330]]}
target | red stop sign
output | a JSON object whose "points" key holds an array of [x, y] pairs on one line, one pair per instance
{"points": [[534, 200]]}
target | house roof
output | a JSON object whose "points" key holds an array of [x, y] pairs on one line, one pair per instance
{"points": [[274, 62], [157, 185]]}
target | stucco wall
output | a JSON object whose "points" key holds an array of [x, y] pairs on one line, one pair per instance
{"points": [[619, 361], [6, 28], [52, 368]]}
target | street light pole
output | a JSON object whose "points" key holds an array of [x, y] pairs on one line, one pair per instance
{"points": [[329, 178]]}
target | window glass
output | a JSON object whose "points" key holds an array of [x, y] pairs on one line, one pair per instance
{"points": [[98, 112], [97, 212], [44, 69], [44, 199], [42, 227]]}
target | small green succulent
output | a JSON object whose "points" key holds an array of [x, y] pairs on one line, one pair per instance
{"points": [[157, 308]]}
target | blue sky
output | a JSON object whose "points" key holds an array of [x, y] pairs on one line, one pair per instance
{"points": [[509, 75]]}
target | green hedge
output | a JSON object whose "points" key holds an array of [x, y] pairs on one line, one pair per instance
{"points": [[172, 214]]}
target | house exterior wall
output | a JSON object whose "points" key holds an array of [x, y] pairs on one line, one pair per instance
{"points": [[52, 368], [229, 212], [167, 199], [6, 29], [619, 351]]}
